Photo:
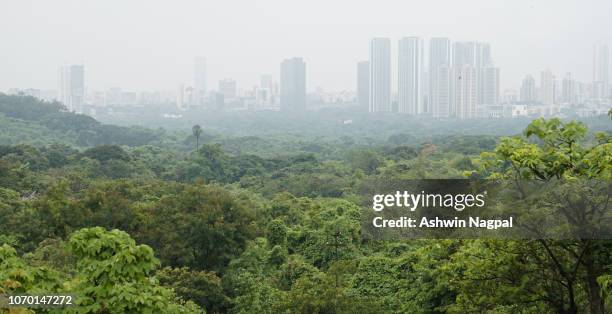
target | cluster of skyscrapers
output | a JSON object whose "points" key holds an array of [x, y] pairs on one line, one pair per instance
{"points": [[291, 97], [437, 78], [554, 94], [459, 80]]}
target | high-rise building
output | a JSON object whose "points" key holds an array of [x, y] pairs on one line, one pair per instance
{"points": [[265, 95], [227, 87], [490, 86], [439, 77], [478, 56], [363, 85], [601, 75], [465, 92], [184, 97], [471, 53], [293, 85], [528, 89], [410, 72], [380, 75], [200, 82], [568, 90], [547, 87], [72, 87]]}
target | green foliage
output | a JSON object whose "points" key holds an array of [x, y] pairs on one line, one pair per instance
{"points": [[201, 287], [105, 153], [270, 223], [197, 131], [560, 158], [560, 154], [18, 277], [115, 276], [51, 117]]}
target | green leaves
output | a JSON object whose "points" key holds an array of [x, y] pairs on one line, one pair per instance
{"points": [[16, 276], [115, 275], [559, 155], [558, 152]]}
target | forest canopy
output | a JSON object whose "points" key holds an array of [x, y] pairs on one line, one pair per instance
{"points": [[135, 220]]}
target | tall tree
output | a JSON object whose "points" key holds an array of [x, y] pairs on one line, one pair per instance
{"points": [[115, 275], [197, 131], [560, 154]]}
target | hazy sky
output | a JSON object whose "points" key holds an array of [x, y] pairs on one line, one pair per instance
{"points": [[145, 45]]}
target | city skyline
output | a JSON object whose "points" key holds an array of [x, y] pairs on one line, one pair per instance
{"points": [[456, 88], [246, 42], [199, 80]]}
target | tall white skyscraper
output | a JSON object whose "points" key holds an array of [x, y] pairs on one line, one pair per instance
{"points": [[490, 86], [478, 56], [410, 72], [380, 75], [293, 85], [363, 85], [439, 77], [72, 87], [200, 82], [528, 89], [547, 87], [601, 74], [568, 89], [465, 91]]}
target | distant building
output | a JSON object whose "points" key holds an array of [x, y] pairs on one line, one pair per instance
{"points": [[200, 79], [184, 97], [380, 75], [528, 89], [601, 74], [266, 96], [227, 87], [547, 87], [439, 77], [293, 85], [489, 86], [363, 85], [72, 87], [569, 90], [465, 92], [477, 56], [410, 73]]}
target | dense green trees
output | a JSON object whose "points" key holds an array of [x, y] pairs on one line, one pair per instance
{"points": [[51, 117], [562, 160], [262, 224], [113, 275]]}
